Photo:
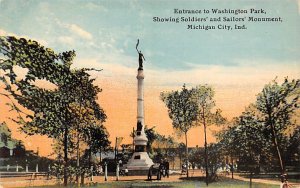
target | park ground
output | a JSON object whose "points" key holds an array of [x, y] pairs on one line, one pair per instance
{"points": [[174, 181]]}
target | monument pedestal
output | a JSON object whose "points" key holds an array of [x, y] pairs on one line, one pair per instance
{"points": [[139, 164]]}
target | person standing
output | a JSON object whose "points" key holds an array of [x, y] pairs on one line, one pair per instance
{"points": [[167, 167]]}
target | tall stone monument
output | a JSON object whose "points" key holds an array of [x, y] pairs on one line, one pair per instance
{"points": [[140, 161]]}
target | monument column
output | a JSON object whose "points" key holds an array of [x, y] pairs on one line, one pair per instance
{"points": [[140, 161], [140, 98]]}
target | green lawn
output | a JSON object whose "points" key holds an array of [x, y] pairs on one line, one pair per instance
{"points": [[227, 184]]}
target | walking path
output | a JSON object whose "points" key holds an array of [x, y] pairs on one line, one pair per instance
{"points": [[39, 181], [238, 177], [266, 181]]}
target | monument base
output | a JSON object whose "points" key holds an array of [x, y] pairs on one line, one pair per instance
{"points": [[139, 163], [138, 172]]}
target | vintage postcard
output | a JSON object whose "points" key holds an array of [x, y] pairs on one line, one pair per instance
{"points": [[128, 93]]}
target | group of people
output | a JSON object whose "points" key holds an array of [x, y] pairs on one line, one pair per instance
{"points": [[161, 169]]}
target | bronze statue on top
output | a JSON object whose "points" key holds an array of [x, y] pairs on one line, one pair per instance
{"points": [[141, 56]]}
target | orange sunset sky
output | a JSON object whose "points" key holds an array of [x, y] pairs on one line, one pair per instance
{"points": [[118, 99], [236, 63]]}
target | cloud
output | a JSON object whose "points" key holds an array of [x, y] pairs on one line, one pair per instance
{"points": [[94, 6], [66, 40], [119, 67], [75, 29], [80, 31], [259, 72], [298, 1], [254, 72]]}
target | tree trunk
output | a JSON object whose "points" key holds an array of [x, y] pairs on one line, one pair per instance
{"points": [[251, 179], [78, 157], [66, 132], [275, 142], [205, 155], [100, 155], [187, 155], [180, 158], [231, 167], [82, 178]]}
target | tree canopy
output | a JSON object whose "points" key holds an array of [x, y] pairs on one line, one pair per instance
{"points": [[183, 111], [69, 106], [265, 133]]}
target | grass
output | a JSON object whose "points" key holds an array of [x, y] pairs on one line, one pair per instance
{"points": [[224, 183], [185, 184]]}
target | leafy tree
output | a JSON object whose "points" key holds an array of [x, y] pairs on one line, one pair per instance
{"points": [[245, 139], [215, 161], [89, 131], [51, 110], [151, 136], [159, 145], [292, 156], [276, 104], [182, 111], [203, 95], [195, 156], [171, 151], [262, 132], [98, 139], [5, 136]]}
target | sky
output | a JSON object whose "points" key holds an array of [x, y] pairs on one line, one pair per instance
{"points": [[236, 63]]}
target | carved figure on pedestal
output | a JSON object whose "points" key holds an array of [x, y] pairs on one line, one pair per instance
{"points": [[141, 56]]}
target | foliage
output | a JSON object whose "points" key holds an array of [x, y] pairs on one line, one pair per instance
{"points": [[5, 137], [151, 136], [245, 140], [292, 154], [68, 109], [204, 98], [276, 105], [160, 146], [182, 110], [262, 132], [165, 148]]}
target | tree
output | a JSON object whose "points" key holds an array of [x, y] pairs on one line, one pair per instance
{"points": [[215, 160], [88, 130], [151, 136], [51, 110], [262, 132], [203, 96], [293, 149], [276, 104], [245, 139], [171, 151], [5, 136], [182, 111]]}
